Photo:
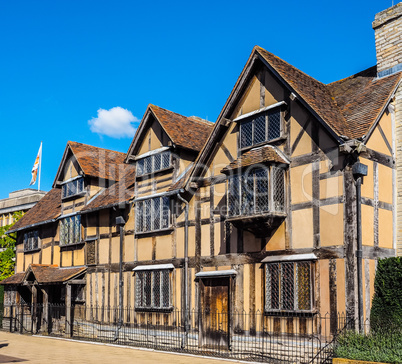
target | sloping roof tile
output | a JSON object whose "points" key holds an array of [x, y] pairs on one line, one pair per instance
{"points": [[265, 154], [186, 132], [48, 208], [121, 191], [46, 273], [361, 98], [98, 162], [14, 279], [315, 93]]}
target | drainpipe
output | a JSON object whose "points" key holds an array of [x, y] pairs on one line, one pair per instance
{"points": [[120, 223], [186, 308], [359, 170]]}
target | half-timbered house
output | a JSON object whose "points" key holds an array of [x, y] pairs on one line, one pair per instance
{"points": [[254, 213]]}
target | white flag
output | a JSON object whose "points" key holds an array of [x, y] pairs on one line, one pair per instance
{"points": [[36, 165]]}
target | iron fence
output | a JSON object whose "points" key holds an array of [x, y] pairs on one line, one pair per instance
{"points": [[251, 336]]}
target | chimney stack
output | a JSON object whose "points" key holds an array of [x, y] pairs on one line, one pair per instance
{"points": [[387, 26]]}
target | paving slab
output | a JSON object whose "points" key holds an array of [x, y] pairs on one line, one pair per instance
{"points": [[18, 348]]}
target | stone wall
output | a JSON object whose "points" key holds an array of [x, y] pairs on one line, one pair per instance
{"points": [[388, 40]]}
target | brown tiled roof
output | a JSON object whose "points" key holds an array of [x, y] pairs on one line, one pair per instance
{"points": [[121, 191], [14, 279], [46, 273], [48, 208], [98, 162], [186, 132], [315, 93], [266, 154], [361, 98]]}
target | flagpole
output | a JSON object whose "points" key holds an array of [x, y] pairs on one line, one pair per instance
{"points": [[40, 164]]}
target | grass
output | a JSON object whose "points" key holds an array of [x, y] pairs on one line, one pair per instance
{"points": [[385, 347]]}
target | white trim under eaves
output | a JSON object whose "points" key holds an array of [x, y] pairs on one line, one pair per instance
{"points": [[153, 267], [260, 110], [216, 273], [71, 179], [152, 152], [289, 258], [69, 215], [161, 194]]}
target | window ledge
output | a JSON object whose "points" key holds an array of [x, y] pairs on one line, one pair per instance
{"points": [[154, 309], [152, 174], [153, 232], [65, 246], [278, 140], [32, 251]]}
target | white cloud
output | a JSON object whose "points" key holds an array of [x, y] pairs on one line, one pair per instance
{"points": [[116, 123]]}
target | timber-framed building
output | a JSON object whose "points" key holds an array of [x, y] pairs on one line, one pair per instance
{"points": [[255, 212]]}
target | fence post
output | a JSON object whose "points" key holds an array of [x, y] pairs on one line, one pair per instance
{"points": [[68, 310], [11, 318], [22, 319]]}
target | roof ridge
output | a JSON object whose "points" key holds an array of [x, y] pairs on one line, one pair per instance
{"points": [[93, 146], [191, 118], [290, 65], [351, 76]]}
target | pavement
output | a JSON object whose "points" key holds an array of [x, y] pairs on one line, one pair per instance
{"points": [[16, 348]]}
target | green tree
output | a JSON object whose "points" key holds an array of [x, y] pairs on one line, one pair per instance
{"points": [[7, 245]]}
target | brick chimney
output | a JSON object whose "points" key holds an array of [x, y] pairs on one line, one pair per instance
{"points": [[387, 26]]}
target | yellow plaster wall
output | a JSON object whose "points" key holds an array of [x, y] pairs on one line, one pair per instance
{"points": [[368, 181], [79, 256], [128, 248], [205, 233], [302, 229], [376, 142], [340, 285], [277, 241], [67, 258], [115, 249], [156, 136], [71, 171], [56, 255], [20, 262], [331, 187], [385, 231], [104, 221], [367, 225], [251, 98], [104, 251], [324, 285], [331, 225], [301, 183], [144, 248], [304, 145], [274, 92], [47, 255], [144, 147], [384, 183], [163, 247]]}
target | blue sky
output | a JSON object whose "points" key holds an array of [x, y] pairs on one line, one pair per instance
{"points": [[62, 61]]}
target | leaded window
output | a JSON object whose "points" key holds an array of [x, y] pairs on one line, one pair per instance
{"points": [[70, 230], [154, 163], [257, 191], [31, 240], [152, 214], [153, 289], [72, 188], [260, 128], [288, 286]]}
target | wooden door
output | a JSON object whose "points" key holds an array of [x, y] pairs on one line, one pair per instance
{"points": [[215, 312]]}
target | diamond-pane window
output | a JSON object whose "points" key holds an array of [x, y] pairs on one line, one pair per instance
{"points": [[260, 128], [70, 230], [278, 182], [72, 188], [246, 134], [152, 214], [153, 163], [261, 191], [157, 162], [31, 240], [166, 160], [152, 289], [288, 286]]}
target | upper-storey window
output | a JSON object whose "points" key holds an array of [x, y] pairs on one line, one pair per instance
{"points": [[152, 214], [31, 240], [257, 191], [70, 230], [260, 128], [73, 187], [154, 163]]}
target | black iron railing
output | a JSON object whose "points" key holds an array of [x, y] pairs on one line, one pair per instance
{"points": [[253, 336]]}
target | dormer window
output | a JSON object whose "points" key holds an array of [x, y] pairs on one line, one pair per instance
{"points": [[260, 127], [73, 187], [154, 163], [31, 241]]}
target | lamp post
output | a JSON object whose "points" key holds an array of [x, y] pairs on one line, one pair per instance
{"points": [[359, 170]]}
